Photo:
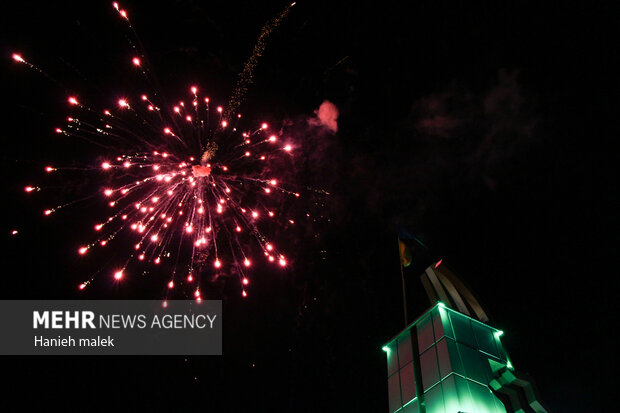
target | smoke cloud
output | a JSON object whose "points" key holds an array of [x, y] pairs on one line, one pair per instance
{"points": [[326, 116]]}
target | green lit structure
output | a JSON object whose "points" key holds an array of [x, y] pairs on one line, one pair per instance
{"points": [[448, 362]]}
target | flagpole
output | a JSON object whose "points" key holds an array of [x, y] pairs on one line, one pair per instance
{"points": [[402, 278]]}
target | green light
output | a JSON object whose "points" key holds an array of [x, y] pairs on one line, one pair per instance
{"points": [[498, 333], [386, 349], [509, 365], [440, 304], [410, 401]]}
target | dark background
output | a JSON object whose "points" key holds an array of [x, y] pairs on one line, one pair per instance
{"points": [[484, 128]]}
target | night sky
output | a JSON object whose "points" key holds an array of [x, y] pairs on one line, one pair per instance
{"points": [[483, 128]]}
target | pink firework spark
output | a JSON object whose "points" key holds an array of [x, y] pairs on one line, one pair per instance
{"points": [[189, 184]]}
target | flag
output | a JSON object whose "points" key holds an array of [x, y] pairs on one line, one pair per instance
{"points": [[406, 242], [405, 253]]}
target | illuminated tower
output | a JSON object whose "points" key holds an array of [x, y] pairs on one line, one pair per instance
{"points": [[450, 362]]}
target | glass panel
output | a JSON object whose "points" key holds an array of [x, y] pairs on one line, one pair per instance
{"points": [[437, 324], [449, 358], [451, 397], [462, 329], [434, 400], [405, 350], [429, 367], [392, 359], [394, 393], [407, 383], [500, 348], [483, 398], [425, 334], [465, 398], [474, 363], [485, 339], [441, 324]]}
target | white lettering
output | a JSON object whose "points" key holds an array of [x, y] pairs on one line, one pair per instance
{"points": [[38, 319]]}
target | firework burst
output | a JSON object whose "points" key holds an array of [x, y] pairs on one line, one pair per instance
{"points": [[187, 180]]}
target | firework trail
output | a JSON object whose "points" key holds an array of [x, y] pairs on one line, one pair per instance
{"points": [[246, 77], [189, 183]]}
